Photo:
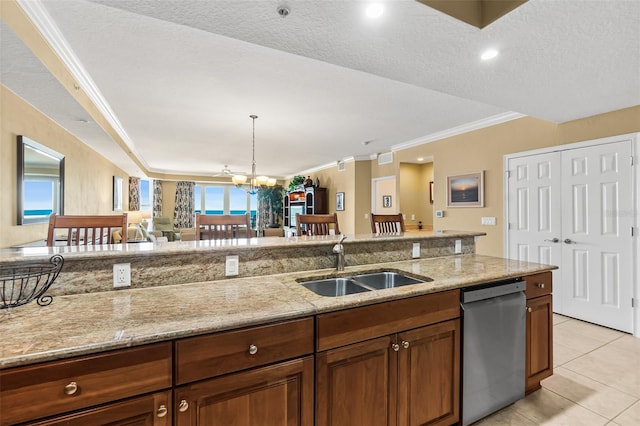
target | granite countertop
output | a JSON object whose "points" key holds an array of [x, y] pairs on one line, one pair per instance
{"points": [[94, 322], [20, 254]]}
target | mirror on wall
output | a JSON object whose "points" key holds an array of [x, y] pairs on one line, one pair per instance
{"points": [[40, 182]]}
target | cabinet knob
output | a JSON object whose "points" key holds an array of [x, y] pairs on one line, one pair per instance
{"points": [[71, 388], [253, 349], [183, 406], [528, 309], [162, 411], [540, 285], [395, 347], [405, 344]]}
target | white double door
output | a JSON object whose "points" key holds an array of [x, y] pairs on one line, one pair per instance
{"points": [[574, 209]]}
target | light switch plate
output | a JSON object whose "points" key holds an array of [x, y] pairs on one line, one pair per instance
{"points": [[415, 251], [490, 221], [231, 266], [458, 247]]}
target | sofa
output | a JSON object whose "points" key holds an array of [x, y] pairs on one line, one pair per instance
{"points": [[164, 225]]}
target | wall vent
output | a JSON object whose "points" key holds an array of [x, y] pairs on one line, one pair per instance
{"points": [[385, 158], [341, 166]]}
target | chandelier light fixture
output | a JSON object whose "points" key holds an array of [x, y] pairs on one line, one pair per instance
{"points": [[255, 182]]}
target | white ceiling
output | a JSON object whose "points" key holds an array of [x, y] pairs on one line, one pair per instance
{"points": [[182, 77]]}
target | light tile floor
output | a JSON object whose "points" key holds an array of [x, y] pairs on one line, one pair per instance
{"points": [[596, 381]]}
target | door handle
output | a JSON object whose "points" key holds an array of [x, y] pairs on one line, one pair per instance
{"points": [[554, 240], [569, 241]]}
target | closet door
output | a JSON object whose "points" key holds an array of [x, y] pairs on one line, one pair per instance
{"points": [[535, 219], [597, 213]]}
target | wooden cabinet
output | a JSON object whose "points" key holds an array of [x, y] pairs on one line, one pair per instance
{"points": [[311, 200], [276, 395], [37, 391], [429, 375], [408, 377], [149, 410], [271, 384], [539, 351]]}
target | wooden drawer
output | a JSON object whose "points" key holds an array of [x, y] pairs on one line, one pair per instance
{"points": [[215, 354], [41, 390], [153, 410], [340, 328], [538, 284]]}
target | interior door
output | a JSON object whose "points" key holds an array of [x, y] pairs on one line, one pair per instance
{"points": [[535, 217], [597, 206]]}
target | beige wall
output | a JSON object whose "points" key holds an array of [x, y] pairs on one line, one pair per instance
{"points": [[413, 199], [484, 150], [88, 175]]}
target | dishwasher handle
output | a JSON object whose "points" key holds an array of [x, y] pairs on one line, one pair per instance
{"points": [[489, 291]]}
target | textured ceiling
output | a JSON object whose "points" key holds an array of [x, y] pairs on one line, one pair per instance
{"points": [[183, 76]]}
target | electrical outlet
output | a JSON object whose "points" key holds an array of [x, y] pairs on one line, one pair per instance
{"points": [[231, 266], [415, 251], [121, 275], [458, 247]]}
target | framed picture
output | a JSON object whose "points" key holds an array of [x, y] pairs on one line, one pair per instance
{"points": [[386, 201], [431, 192], [339, 201], [117, 193], [466, 190]]}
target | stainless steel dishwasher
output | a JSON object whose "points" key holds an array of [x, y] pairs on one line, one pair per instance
{"points": [[493, 351]]}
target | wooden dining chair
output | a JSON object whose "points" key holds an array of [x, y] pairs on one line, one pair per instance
{"points": [[85, 230], [223, 226], [387, 223], [316, 224]]}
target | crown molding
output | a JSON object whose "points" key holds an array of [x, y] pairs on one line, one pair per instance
{"points": [[37, 13], [454, 131]]}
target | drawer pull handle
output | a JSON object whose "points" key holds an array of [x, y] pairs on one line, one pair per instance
{"points": [[162, 411], [405, 344], [253, 349], [540, 285], [395, 347], [71, 388], [184, 406]]}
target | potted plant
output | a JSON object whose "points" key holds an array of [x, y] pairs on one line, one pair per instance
{"points": [[296, 181]]}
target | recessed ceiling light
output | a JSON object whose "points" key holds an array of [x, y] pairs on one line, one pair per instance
{"points": [[489, 54], [374, 10], [420, 159]]}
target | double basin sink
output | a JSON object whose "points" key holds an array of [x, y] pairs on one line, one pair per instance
{"points": [[342, 286]]}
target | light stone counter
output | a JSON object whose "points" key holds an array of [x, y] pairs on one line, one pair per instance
{"points": [[202, 261], [88, 323]]}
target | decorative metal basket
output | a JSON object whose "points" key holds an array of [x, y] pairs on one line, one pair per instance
{"points": [[20, 284]]}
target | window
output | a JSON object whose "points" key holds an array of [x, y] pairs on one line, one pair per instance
{"points": [[224, 199], [146, 195]]}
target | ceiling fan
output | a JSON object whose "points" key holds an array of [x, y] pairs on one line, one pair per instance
{"points": [[226, 172]]}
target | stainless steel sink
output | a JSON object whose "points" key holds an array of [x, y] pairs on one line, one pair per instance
{"points": [[380, 280], [333, 287]]}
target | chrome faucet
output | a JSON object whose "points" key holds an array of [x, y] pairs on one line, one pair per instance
{"points": [[338, 249]]}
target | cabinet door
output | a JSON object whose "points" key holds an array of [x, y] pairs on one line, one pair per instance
{"points": [[277, 395], [356, 384], [429, 375], [539, 341], [150, 410]]}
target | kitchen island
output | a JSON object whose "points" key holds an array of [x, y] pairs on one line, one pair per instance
{"points": [[77, 327]]}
